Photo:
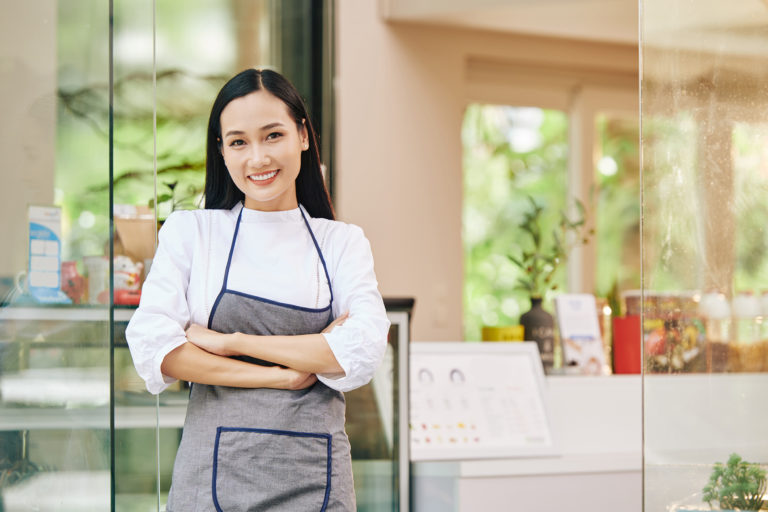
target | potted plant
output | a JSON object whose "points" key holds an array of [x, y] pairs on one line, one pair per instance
{"points": [[539, 257], [736, 485]]}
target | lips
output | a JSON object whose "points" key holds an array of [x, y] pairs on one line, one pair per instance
{"points": [[263, 178]]}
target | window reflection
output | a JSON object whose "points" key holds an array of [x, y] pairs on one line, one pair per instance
{"points": [[704, 182]]}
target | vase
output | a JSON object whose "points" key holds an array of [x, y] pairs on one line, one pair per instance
{"points": [[539, 326], [502, 333]]}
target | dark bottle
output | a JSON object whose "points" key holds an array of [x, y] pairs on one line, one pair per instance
{"points": [[539, 326]]}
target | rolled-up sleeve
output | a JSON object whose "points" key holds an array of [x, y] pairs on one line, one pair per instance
{"points": [[359, 344], [158, 325]]}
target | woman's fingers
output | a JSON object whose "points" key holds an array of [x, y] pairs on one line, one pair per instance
{"points": [[298, 380], [338, 321]]}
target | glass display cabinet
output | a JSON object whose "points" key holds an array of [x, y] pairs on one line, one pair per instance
{"points": [[104, 125], [705, 257]]}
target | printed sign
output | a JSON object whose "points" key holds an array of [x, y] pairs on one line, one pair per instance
{"points": [[477, 400], [580, 333], [44, 268]]}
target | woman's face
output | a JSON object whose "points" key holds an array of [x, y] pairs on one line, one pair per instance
{"points": [[262, 146]]}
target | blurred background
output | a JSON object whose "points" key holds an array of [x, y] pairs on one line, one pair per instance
{"points": [[493, 151]]}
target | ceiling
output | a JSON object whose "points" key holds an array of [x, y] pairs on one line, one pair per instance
{"points": [[735, 26], [600, 20]]}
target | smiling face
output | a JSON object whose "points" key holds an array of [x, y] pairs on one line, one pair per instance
{"points": [[262, 145]]}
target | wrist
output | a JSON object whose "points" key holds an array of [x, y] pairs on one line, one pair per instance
{"points": [[277, 378], [233, 343]]}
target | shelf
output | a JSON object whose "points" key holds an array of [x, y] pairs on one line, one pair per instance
{"points": [[126, 417], [65, 313], [81, 491]]}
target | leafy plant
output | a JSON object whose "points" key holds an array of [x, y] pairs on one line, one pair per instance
{"points": [[170, 201], [544, 253], [736, 485]]}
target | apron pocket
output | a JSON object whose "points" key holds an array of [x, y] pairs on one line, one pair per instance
{"points": [[258, 469]]}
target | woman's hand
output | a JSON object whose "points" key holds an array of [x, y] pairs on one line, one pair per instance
{"points": [[210, 341], [295, 379], [338, 321]]}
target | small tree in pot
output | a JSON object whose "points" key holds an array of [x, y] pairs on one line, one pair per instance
{"points": [[539, 258], [736, 485]]}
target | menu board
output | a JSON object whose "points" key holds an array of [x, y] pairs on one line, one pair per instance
{"points": [[477, 400]]}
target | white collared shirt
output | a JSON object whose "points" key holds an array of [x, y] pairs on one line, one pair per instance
{"points": [[274, 258]]}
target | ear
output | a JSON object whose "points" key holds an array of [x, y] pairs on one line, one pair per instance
{"points": [[304, 135]]}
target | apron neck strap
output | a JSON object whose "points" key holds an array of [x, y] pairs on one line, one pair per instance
{"points": [[232, 249], [224, 285], [319, 252]]}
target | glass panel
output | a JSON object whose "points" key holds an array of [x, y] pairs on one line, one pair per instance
{"points": [[56, 446], [135, 446], [617, 163], [159, 166], [512, 156], [704, 106], [55, 438], [372, 425]]}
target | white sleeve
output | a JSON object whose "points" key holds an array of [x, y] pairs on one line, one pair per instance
{"points": [[359, 344], [158, 325]]}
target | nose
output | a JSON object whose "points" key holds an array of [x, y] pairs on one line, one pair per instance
{"points": [[258, 157]]}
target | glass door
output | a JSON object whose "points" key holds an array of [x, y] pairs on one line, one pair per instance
{"points": [[705, 257], [105, 108], [55, 392]]}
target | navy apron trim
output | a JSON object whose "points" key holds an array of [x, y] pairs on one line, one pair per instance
{"points": [[282, 304], [226, 269], [327, 437], [225, 289], [215, 467], [319, 253]]}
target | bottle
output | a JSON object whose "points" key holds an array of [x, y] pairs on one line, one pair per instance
{"points": [[716, 312], [747, 318], [764, 329]]}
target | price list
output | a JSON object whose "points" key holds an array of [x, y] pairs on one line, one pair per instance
{"points": [[477, 401]]}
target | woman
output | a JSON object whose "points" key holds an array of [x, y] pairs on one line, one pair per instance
{"points": [[241, 301]]}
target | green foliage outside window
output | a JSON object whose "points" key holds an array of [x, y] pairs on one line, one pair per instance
{"points": [[674, 227], [513, 155], [617, 220], [510, 154]]}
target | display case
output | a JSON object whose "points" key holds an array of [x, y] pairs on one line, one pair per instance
{"points": [[704, 111], [72, 429]]}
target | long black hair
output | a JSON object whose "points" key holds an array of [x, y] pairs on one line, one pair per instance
{"points": [[220, 190]]}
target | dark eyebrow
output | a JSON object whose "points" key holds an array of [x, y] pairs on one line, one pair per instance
{"points": [[265, 127]]}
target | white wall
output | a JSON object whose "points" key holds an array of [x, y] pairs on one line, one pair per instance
{"points": [[28, 129], [401, 91]]}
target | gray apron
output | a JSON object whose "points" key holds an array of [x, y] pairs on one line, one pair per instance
{"points": [[263, 449]]}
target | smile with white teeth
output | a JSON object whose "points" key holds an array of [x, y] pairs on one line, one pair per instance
{"points": [[263, 177]]}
